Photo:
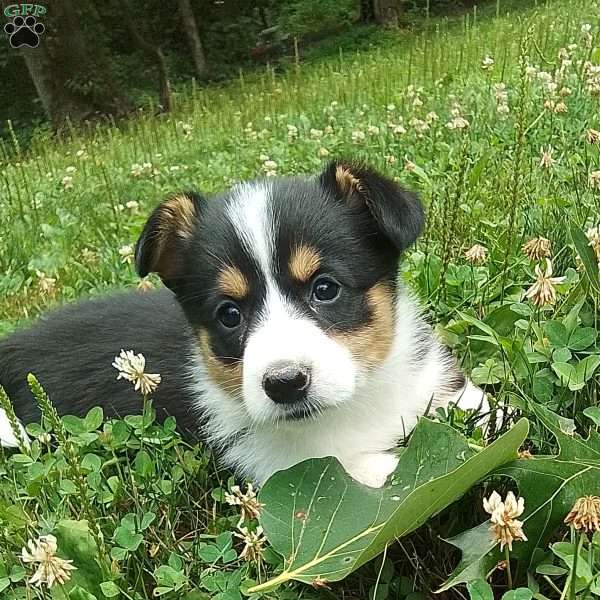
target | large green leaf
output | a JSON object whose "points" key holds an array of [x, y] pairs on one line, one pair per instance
{"points": [[325, 524], [550, 486], [75, 542], [587, 255]]}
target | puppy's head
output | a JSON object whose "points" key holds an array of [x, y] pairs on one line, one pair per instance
{"points": [[289, 284]]}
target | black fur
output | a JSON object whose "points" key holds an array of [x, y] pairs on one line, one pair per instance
{"points": [[71, 351]]}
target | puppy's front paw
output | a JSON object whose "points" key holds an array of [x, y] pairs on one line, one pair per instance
{"points": [[372, 469], [474, 398]]}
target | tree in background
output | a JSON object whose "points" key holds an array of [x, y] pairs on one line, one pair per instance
{"points": [[384, 12], [71, 74], [154, 53], [190, 27]]}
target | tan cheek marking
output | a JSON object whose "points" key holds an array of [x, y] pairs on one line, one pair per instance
{"points": [[227, 377], [232, 282], [371, 343], [304, 263]]}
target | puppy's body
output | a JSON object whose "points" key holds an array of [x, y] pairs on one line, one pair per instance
{"points": [[71, 351], [294, 338]]}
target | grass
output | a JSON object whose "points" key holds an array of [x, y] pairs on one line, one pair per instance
{"points": [[494, 177]]}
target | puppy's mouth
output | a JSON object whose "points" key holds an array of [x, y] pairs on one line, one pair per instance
{"points": [[304, 411]]}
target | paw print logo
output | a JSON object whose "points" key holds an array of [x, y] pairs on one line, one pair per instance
{"points": [[24, 32]]}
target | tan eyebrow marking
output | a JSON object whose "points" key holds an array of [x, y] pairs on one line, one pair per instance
{"points": [[304, 263], [232, 282]]}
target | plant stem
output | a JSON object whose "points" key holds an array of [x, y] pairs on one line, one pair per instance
{"points": [[508, 571], [574, 570]]}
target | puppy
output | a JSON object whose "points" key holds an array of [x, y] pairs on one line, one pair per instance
{"points": [[284, 333]]}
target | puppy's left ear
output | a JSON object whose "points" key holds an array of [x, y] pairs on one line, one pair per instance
{"points": [[398, 213]]}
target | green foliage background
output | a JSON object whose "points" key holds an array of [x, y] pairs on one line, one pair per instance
{"points": [[71, 205]]}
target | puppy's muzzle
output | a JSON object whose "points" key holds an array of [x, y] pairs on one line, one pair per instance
{"points": [[286, 383]]}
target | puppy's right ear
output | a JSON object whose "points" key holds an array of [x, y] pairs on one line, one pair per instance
{"points": [[167, 236]]}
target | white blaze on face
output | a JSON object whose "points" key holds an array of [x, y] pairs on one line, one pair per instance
{"points": [[280, 333]]}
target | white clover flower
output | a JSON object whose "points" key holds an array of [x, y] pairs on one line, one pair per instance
{"points": [[487, 64], [537, 248], [531, 71], [546, 158], [594, 180], [391, 107], [131, 367], [593, 235], [46, 285], [51, 569], [67, 182], [358, 136], [145, 285], [592, 136], [373, 130], [132, 205], [419, 125], [417, 102], [71, 169], [187, 128], [316, 134], [585, 515], [323, 152], [458, 123], [254, 542], [136, 170], [560, 108], [409, 166], [543, 290], [126, 252], [270, 168], [292, 132], [505, 528], [88, 256], [476, 254], [249, 505]]}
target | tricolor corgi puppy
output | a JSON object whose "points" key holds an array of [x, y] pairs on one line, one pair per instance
{"points": [[284, 333]]}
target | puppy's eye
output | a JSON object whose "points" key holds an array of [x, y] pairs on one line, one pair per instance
{"points": [[325, 290], [229, 315]]}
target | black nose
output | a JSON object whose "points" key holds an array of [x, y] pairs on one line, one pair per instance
{"points": [[286, 384]]}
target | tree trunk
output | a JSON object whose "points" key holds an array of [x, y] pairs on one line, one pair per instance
{"points": [[72, 79], [156, 55], [190, 27], [383, 12], [367, 11]]}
